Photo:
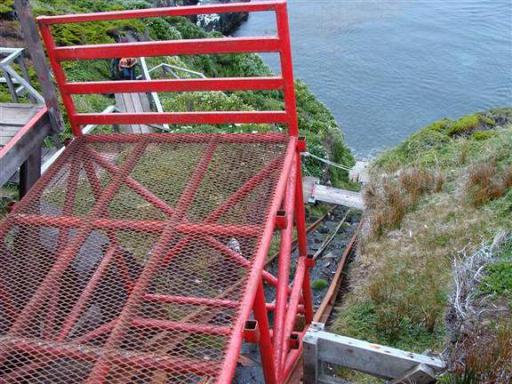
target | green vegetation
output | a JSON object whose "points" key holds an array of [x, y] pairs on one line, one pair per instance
{"points": [[319, 284], [6, 6], [431, 197], [316, 123], [497, 280]]}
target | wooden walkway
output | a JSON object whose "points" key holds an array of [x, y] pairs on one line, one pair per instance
{"points": [[13, 117], [23, 127], [133, 103], [313, 191]]}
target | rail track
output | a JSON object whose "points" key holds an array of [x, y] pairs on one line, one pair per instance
{"points": [[331, 238]]}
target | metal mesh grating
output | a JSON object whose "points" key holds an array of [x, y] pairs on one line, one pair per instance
{"points": [[126, 262]]}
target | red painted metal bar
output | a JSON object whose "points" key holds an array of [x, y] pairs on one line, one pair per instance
{"points": [[91, 354], [218, 117], [254, 279], [190, 300], [161, 12], [67, 256], [102, 366], [293, 305], [87, 292], [62, 239], [140, 189], [146, 226], [284, 270], [184, 138], [7, 303], [95, 333], [37, 189], [181, 326], [96, 190], [283, 31], [302, 238], [240, 260], [202, 301], [60, 78], [168, 48], [292, 359], [177, 85], [265, 342]]}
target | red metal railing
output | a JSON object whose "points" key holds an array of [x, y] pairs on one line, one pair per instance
{"points": [[279, 44], [168, 282]]}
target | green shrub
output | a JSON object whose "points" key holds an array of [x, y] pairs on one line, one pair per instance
{"points": [[469, 123], [483, 135], [319, 284], [7, 6], [498, 280]]}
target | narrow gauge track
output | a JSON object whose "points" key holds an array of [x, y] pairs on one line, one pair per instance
{"points": [[331, 241]]}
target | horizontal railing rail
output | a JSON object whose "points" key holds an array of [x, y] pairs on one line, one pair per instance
{"points": [[181, 85], [256, 6], [280, 44]]}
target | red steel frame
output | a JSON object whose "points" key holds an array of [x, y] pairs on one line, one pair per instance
{"points": [[275, 338]]}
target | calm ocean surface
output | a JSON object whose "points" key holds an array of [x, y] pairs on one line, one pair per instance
{"points": [[388, 67]]}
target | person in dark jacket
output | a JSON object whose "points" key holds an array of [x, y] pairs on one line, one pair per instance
{"points": [[127, 68]]}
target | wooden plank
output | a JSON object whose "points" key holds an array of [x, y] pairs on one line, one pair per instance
{"points": [[12, 118], [133, 103], [338, 196], [359, 172], [17, 114], [9, 131], [33, 43]]}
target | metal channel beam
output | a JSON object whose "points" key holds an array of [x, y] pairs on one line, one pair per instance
{"points": [[373, 359]]}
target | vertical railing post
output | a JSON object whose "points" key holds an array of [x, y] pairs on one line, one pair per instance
{"points": [[265, 342], [21, 62], [302, 241], [11, 86], [283, 31]]}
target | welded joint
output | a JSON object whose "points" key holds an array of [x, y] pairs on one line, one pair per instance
{"points": [[252, 332], [294, 341], [10, 206], [281, 220], [301, 144], [310, 261]]}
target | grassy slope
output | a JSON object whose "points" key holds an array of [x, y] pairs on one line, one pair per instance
{"points": [[445, 189], [315, 120]]}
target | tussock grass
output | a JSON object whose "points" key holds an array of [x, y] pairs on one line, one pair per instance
{"points": [[487, 357], [485, 182], [389, 198], [420, 215]]}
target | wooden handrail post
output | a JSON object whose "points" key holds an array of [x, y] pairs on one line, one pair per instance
{"points": [[33, 43]]}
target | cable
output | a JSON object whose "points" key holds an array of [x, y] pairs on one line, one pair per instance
{"points": [[336, 165]]}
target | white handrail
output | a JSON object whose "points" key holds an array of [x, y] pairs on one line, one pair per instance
{"points": [[16, 54], [154, 95], [85, 130]]}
